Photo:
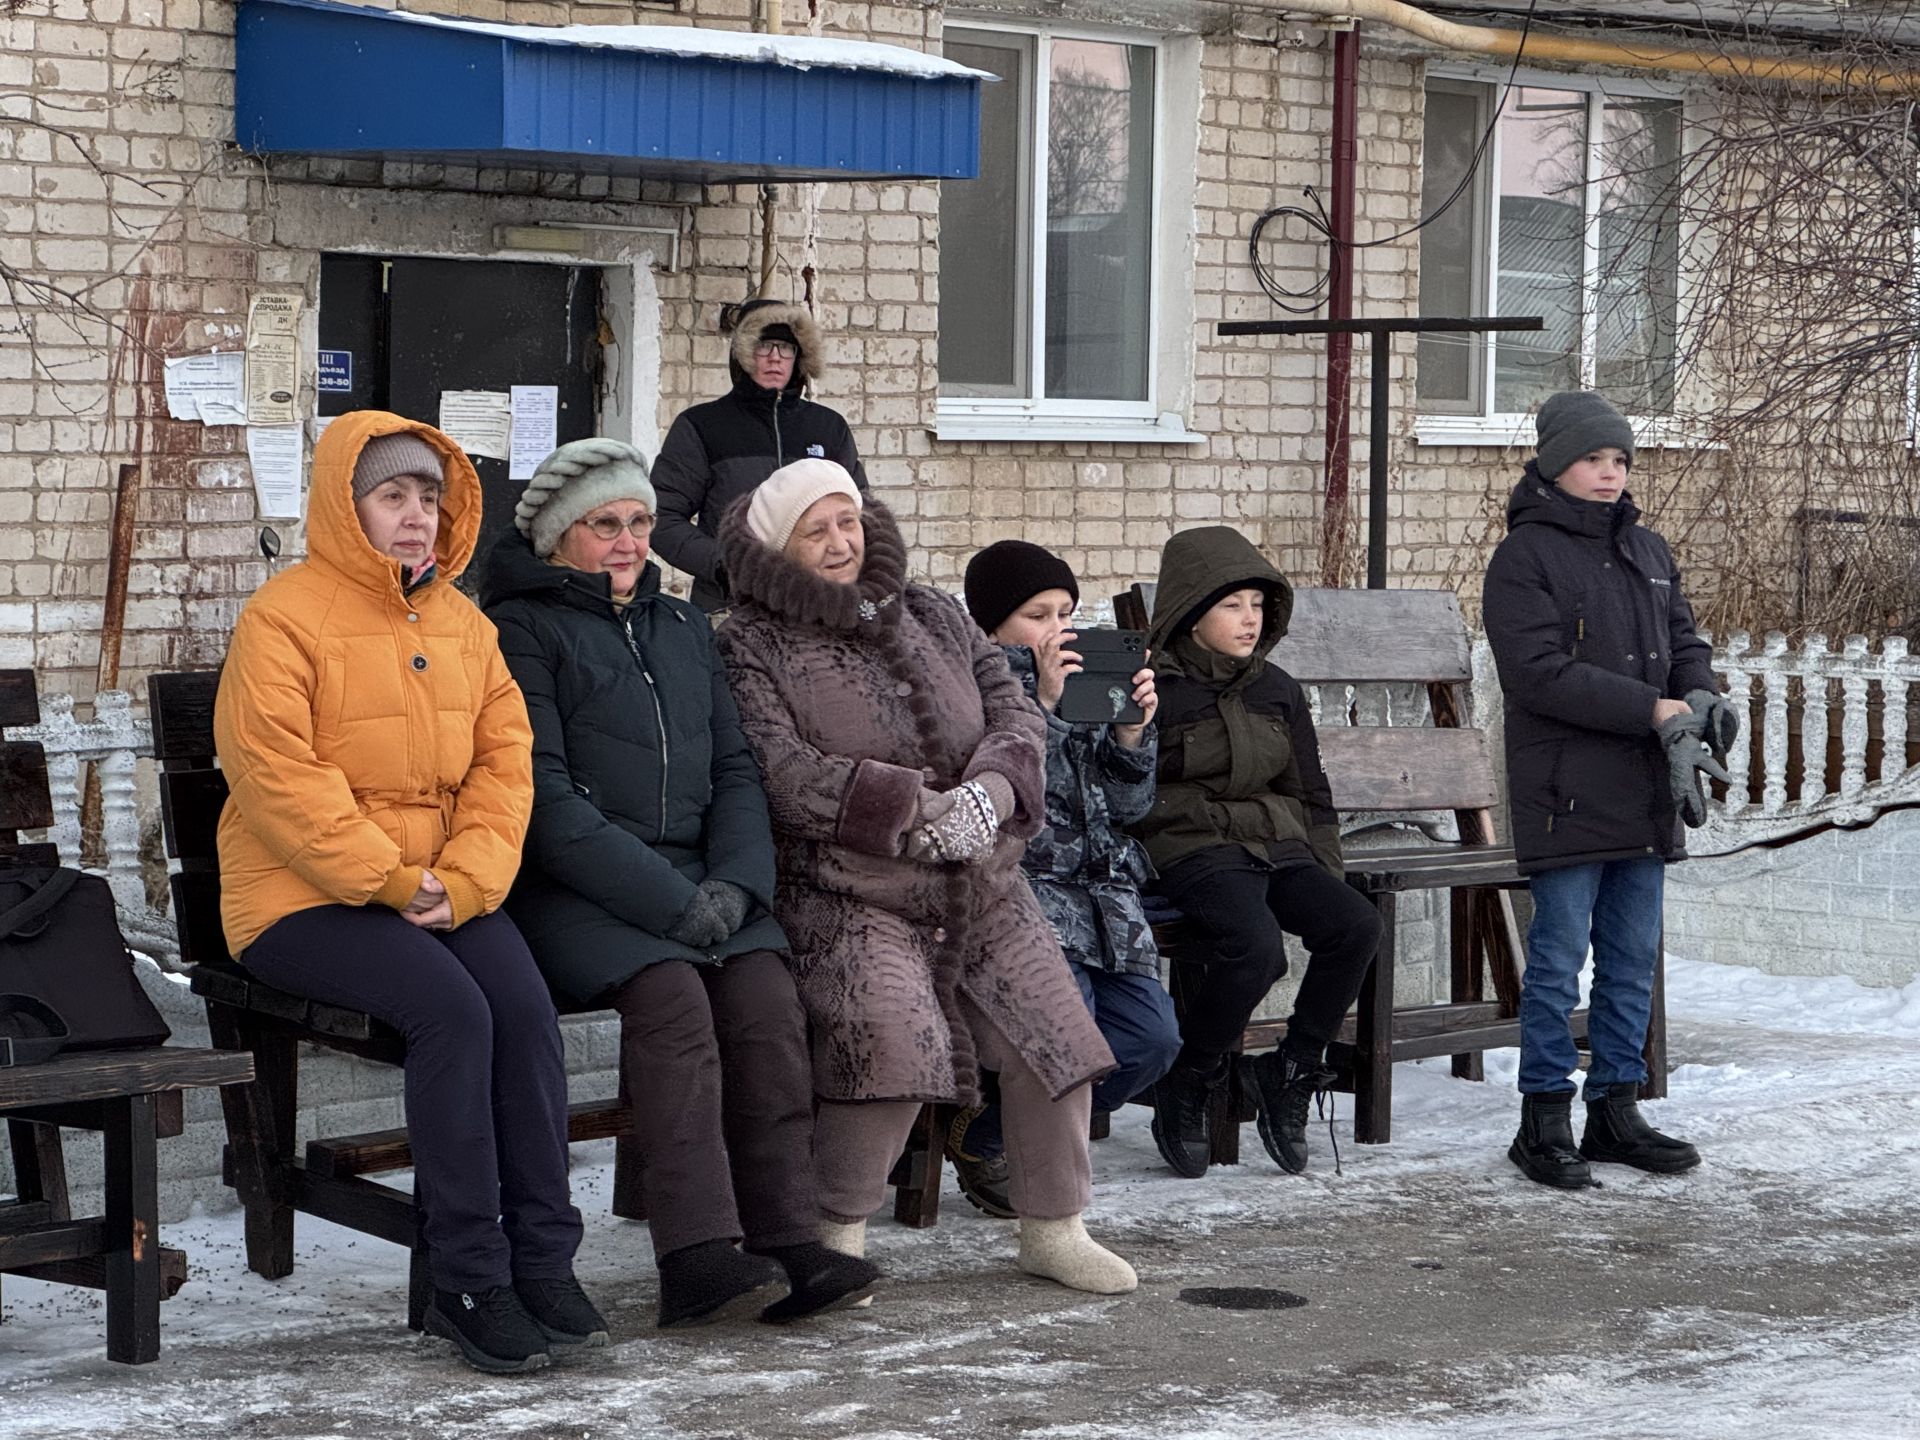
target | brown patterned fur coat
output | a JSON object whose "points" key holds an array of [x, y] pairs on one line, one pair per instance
{"points": [[856, 698]]}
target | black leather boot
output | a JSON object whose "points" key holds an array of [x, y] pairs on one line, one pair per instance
{"points": [[1544, 1147], [1618, 1132], [1180, 1128], [1284, 1085]]}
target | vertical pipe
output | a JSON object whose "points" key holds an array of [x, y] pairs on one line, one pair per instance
{"points": [[1380, 365], [1339, 451]]}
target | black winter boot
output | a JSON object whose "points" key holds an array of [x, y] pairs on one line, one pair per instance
{"points": [[490, 1328], [562, 1311], [1618, 1132], [1180, 1128], [820, 1280], [715, 1281], [1544, 1146], [1284, 1085]]}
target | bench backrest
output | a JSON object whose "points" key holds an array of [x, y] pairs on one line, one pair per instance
{"points": [[192, 792], [1338, 638], [26, 798]]}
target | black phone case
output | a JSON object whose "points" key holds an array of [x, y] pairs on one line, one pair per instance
{"points": [[1101, 692]]}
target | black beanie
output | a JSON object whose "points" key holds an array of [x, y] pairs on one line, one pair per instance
{"points": [[1007, 574], [1577, 423]]}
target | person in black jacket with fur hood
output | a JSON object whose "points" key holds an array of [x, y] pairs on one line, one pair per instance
{"points": [[1609, 693], [717, 452]]}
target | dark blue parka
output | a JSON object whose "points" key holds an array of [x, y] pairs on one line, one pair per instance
{"points": [[1589, 628], [643, 784]]}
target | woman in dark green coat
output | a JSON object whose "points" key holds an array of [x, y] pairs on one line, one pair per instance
{"points": [[646, 885]]}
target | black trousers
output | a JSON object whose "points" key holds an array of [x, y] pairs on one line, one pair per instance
{"points": [[715, 1065], [485, 1081], [1246, 909]]}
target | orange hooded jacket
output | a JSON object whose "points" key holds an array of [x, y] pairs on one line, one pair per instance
{"points": [[367, 734]]}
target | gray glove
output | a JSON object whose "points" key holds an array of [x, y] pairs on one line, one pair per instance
{"points": [[730, 900], [1688, 756], [702, 923], [1722, 721]]}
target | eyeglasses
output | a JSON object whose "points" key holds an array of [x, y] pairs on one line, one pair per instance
{"points": [[608, 527], [785, 349]]}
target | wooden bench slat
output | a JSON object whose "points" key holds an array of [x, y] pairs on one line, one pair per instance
{"points": [[181, 706], [190, 806], [91, 1271], [377, 1151], [26, 801], [60, 1240], [1380, 767], [19, 699], [106, 1074]]}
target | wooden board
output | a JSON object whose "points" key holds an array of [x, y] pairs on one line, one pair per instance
{"points": [[1378, 767], [378, 1151], [181, 705], [19, 699], [190, 806], [101, 1074], [26, 803]]}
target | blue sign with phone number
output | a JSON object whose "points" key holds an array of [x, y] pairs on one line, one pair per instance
{"points": [[336, 372]]}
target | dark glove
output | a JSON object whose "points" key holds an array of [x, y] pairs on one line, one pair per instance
{"points": [[1722, 721], [729, 900], [701, 924], [1688, 755]]}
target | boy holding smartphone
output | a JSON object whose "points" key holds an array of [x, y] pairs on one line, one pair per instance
{"points": [[1084, 869]]}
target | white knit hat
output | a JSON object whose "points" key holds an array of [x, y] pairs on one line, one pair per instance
{"points": [[789, 492], [580, 476]]}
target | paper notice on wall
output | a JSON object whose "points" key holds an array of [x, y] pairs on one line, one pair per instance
{"points": [[478, 421], [274, 453], [209, 388], [536, 426], [273, 359]]}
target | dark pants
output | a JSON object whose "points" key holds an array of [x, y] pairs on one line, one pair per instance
{"points": [[1135, 1014], [714, 1062], [1246, 908], [486, 1085]]}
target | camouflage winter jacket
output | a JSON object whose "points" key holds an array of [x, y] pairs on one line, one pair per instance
{"points": [[1084, 869]]}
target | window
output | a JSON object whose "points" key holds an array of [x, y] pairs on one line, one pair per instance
{"points": [[1047, 300], [1569, 215]]}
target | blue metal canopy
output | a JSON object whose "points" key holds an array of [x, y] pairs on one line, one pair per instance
{"points": [[319, 77]]}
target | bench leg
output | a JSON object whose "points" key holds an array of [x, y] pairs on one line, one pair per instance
{"points": [[1468, 978], [260, 1128], [916, 1175], [419, 1278], [1655, 1050], [40, 1166], [1373, 1037], [133, 1232]]}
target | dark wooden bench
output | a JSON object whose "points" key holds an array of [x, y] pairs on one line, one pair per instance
{"points": [[1416, 640], [131, 1097], [273, 1180]]}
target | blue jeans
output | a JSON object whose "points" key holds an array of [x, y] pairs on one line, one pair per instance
{"points": [[1615, 907], [1135, 1014]]}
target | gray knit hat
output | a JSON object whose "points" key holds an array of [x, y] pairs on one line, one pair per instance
{"points": [[580, 476], [1576, 423], [386, 456]]}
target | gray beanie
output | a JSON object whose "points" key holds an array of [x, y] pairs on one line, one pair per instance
{"points": [[1577, 423], [386, 456], [580, 476]]}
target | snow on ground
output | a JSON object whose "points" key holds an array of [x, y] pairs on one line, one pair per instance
{"points": [[1776, 1291]]}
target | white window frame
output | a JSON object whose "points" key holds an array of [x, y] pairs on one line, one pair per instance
{"points": [[981, 417], [1509, 428]]}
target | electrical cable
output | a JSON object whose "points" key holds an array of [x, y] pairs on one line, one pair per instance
{"points": [[1309, 299]]}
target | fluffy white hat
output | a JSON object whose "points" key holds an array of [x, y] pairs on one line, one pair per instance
{"points": [[580, 476], [787, 494]]}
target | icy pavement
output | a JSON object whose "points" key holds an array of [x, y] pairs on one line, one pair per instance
{"points": [[1774, 1293]]}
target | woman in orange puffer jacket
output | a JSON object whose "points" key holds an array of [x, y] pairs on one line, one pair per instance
{"points": [[380, 767]]}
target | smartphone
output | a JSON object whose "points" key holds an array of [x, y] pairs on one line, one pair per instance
{"points": [[1101, 691]]}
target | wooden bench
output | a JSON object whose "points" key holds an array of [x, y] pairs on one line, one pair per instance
{"points": [[329, 1179], [131, 1097], [1414, 639]]}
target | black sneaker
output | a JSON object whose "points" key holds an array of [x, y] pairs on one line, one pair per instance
{"points": [[562, 1311], [490, 1328], [1180, 1124]]}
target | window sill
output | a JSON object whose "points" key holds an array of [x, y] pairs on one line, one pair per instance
{"points": [[1169, 429], [1516, 432]]}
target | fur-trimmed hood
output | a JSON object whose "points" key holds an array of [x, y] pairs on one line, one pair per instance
{"points": [[753, 319], [767, 578]]}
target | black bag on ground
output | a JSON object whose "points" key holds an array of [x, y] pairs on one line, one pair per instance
{"points": [[60, 944]]}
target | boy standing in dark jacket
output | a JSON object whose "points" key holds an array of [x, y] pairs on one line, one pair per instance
{"points": [[1596, 646], [1247, 843], [1086, 871]]}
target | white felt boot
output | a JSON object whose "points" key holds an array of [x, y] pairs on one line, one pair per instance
{"points": [[1062, 1250], [848, 1240]]}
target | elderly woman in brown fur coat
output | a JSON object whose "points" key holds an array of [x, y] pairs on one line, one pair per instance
{"points": [[905, 769]]}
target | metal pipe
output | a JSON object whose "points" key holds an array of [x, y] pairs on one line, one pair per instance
{"points": [[1339, 443], [1642, 53]]}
